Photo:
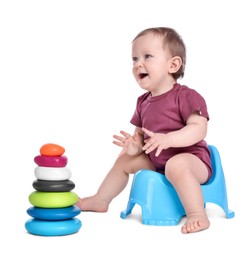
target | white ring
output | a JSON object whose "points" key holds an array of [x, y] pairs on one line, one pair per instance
{"points": [[52, 173]]}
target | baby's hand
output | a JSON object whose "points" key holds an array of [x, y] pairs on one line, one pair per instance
{"points": [[156, 141], [130, 144]]}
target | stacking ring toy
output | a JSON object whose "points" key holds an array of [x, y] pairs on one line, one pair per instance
{"points": [[53, 199], [53, 214], [41, 185], [52, 228], [52, 173], [50, 161]]}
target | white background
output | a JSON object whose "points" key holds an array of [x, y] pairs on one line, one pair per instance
{"points": [[65, 78]]}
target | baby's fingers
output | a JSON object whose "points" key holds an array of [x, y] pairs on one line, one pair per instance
{"points": [[159, 150], [146, 140], [126, 135], [119, 138], [118, 143]]}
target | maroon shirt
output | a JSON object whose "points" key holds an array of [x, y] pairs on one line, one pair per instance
{"points": [[169, 112]]}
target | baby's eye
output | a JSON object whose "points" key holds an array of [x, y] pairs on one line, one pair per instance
{"points": [[147, 56], [134, 59]]}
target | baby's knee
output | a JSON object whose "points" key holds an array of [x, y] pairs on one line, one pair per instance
{"points": [[175, 168]]}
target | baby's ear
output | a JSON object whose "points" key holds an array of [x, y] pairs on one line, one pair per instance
{"points": [[174, 64]]}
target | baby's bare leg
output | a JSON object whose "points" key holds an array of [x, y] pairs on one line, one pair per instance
{"points": [[115, 182], [186, 172]]}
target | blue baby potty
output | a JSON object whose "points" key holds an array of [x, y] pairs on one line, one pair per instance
{"points": [[159, 201]]}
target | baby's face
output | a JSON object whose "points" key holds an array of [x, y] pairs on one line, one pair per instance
{"points": [[150, 62]]}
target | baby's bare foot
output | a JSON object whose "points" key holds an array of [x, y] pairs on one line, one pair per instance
{"points": [[195, 223], [92, 204]]}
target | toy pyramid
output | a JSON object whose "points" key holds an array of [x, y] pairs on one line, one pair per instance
{"points": [[53, 212]]}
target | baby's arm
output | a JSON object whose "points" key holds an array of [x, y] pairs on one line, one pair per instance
{"points": [[194, 131]]}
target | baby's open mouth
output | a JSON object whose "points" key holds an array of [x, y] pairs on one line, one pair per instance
{"points": [[142, 75]]}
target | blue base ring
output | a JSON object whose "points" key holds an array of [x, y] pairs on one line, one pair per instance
{"points": [[53, 228]]}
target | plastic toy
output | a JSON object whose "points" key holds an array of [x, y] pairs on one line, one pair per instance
{"points": [[53, 199], [52, 228], [52, 173], [53, 214], [50, 161], [159, 201], [51, 149], [41, 185]]}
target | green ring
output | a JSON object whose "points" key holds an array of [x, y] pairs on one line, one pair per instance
{"points": [[53, 199]]}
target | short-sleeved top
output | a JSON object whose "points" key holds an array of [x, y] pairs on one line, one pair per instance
{"points": [[169, 112]]}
